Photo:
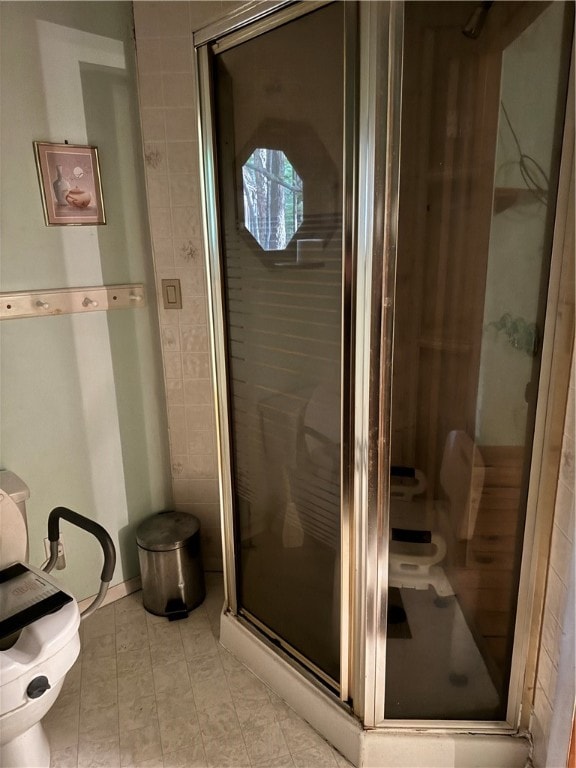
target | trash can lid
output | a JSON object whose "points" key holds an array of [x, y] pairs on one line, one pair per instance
{"points": [[167, 530]]}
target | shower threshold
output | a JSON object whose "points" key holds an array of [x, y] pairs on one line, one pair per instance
{"points": [[395, 745]]}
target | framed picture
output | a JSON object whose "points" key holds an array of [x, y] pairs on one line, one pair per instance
{"points": [[70, 184]]}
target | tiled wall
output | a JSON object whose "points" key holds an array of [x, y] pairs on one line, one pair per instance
{"points": [[551, 719], [168, 113]]}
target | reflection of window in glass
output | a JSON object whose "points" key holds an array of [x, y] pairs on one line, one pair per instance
{"points": [[273, 198]]}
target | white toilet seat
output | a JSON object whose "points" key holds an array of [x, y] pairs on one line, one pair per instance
{"points": [[49, 646]]}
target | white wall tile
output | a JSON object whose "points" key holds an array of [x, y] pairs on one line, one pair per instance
{"points": [[155, 157], [195, 365], [182, 156], [153, 124], [167, 92], [161, 19], [198, 391], [199, 417], [194, 338], [176, 54], [200, 442], [178, 89], [180, 124], [148, 52], [183, 189], [170, 338], [150, 88], [158, 191]]}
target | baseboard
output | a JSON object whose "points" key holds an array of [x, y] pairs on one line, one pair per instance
{"points": [[117, 592]]}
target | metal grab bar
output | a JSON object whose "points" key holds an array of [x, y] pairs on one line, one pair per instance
{"points": [[96, 530]]}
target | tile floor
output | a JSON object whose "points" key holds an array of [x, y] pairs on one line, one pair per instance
{"points": [[150, 693]]}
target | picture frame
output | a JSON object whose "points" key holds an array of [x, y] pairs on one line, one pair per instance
{"points": [[70, 185]]}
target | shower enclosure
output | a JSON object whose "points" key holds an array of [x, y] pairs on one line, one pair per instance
{"points": [[381, 185]]}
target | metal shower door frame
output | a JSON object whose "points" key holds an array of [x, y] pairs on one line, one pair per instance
{"points": [[234, 30]]}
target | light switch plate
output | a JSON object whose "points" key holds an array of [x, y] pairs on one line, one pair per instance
{"points": [[171, 294]]}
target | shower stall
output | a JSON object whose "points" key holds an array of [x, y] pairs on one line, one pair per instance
{"points": [[384, 191]]}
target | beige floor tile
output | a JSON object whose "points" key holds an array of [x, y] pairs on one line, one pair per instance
{"points": [[246, 686], [196, 618], [254, 713], [73, 679], [135, 685], [102, 622], [282, 710], [62, 730], [285, 761], [167, 652], [317, 757], [64, 758], [190, 757], [152, 762], [171, 677], [299, 735], [123, 608], [66, 706], [99, 754], [198, 642], [139, 745], [161, 631], [138, 712], [203, 668], [179, 733], [219, 722], [98, 695], [229, 662], [148, 693], [99, 723], [265, 743], [169, 706], [99, 647], [137, 660], [210, 693], [98, 669], [230, 752], [132, 635]]}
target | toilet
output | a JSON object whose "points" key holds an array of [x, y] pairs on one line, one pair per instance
{"points": [[35, 659], [424, 530]]}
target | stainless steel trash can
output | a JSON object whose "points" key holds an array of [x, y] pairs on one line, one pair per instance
{"points": [[171, 564]]}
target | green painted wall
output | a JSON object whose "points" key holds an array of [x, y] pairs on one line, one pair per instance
{"points": [[82, 402]]}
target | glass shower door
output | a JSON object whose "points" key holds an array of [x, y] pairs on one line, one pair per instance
{"points": [[279, 149]]}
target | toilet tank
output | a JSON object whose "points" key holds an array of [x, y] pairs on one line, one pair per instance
{"points": [[13, 524]]}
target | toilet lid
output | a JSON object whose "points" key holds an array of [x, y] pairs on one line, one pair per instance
{"points": [[13, 533]]}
